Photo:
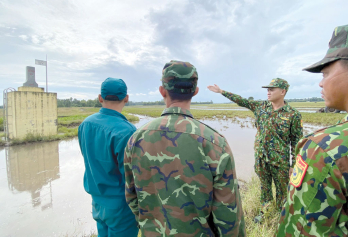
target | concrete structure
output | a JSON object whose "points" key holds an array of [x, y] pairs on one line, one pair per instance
{"points": [[32, 167], [30, 110], [30, 73]]}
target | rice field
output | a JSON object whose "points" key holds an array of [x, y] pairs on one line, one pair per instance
{"points": [[324, 119]]}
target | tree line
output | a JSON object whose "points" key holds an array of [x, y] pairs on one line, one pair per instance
{"points": [[73, 102]]}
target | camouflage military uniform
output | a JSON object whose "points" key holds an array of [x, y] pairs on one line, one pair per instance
{"points": [[317, 194], [180, 173], [317, 206], [276, 131]]}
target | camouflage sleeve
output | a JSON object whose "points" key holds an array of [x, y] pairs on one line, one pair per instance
{"points": [[296, 133], [249, 104], [131, 194], [317, 193], [227, 206]]}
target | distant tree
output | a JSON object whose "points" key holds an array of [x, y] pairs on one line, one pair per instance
{"points": [[251, 98]]}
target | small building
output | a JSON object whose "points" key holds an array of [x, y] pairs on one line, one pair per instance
{"points": [[30, 110]]}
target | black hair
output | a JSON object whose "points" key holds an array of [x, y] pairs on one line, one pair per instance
{"points": [[112, 98], [187, 86], [180, 97]]}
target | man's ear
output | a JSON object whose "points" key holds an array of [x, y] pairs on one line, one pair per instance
{"points": [[283, 92], [163, 91], [196, 91], [100, 98], [126, 99]]}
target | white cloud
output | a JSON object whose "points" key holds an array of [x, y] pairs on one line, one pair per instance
{"points": [[239, 45], [23, 37], [156, 92], [294, 65]]}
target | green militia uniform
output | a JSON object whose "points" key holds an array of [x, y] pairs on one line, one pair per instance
{"points": [[276, 131], [317, 199], [316, 203], [181, 179]]}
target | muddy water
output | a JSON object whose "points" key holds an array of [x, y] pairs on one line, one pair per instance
{"points": [[303, 110], [42, 190]]}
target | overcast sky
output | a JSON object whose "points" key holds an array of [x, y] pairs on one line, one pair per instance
{"points": [[239, 45]]}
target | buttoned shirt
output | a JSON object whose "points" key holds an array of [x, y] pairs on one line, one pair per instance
{"points": [[277, 130], [316, 203], [103, 137]]}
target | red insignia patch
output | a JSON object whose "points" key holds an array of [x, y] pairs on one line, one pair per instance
{"points": [[299, 172]]}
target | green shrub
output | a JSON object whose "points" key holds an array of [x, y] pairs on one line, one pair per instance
{"points": [[1, 124]]}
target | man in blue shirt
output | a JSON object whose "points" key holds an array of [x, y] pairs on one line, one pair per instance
{"points": [[103, 137]]}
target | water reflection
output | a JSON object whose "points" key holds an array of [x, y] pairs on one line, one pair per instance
{"points": [[41, 184], [30, 168]]}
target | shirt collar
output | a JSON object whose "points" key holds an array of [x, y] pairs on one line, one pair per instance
{"points": [[111, 112], [177, 110], [286, 106]]}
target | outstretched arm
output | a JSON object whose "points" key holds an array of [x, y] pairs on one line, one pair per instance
{"points": [[249, 104]]}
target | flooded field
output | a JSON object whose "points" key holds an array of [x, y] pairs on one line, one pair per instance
{"points": [[304, 110], [41, 184]]}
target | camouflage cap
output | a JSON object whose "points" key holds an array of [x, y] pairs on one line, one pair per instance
{"points": [[179, 77], [279, 83], [338, 49]]}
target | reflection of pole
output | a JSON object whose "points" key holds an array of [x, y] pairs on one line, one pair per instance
{"points": [[51, 193], [46, 74], [9, 181]]}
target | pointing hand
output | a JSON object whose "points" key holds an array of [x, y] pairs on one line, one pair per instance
{"points": [[215, 88]]}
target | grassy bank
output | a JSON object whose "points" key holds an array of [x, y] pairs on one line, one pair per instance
{"points": [[234, 105], [324, 119], [250, 194], [1, 124], [70, 118], [68, 121]]}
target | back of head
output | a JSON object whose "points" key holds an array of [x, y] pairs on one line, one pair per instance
{"points": [[180, 80], [113, 90]]}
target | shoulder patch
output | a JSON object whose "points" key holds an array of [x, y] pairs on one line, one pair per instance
{"points": [[299, 171]]}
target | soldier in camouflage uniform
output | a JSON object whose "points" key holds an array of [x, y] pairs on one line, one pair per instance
{"points": [[278, 126], [180, 173], [317, 199]]}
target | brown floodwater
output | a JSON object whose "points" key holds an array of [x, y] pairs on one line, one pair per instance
{"points": [[41, 184]]}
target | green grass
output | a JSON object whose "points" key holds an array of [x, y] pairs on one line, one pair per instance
{"points": [[324, 119], [68, 121], [1, 124], [250, 194], [318, 105], [70, 118], [293, 104], [74, 116], [77, 119]]}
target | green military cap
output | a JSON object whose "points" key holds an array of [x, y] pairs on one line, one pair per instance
{"points": [[338, 49], [278, 83], [179, 77]]}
